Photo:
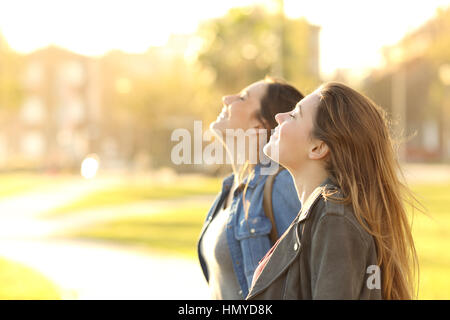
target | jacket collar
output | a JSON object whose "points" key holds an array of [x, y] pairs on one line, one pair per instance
{"points": [[288, 247], [312, 199], [289, 244], [227, 182]]}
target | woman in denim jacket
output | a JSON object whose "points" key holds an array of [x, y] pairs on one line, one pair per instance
{"points": [[235, 235]]}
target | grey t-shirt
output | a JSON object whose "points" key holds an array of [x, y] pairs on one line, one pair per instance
{"points": [[223, 283]]}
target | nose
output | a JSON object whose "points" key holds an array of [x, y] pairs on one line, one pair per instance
{"points": [[225, 99], [280, 117], [228, 99]]}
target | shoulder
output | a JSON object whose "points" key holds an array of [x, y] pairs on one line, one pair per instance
{"points": [[284, 178], [228, 179], [331, 212], [284, 190], [284, 185]]}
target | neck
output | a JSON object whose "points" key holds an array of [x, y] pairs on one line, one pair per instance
{"points": [[307, 179], [240, 158], [241, 172]]}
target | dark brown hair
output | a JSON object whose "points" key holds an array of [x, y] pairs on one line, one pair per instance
{"points": [[279, 97]]}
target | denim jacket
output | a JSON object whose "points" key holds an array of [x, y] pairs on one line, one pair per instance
{"points": [[249, 240]]}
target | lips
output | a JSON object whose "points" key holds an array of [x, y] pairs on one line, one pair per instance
{"points": [[223, 114], [276, 132], [274, 137]]}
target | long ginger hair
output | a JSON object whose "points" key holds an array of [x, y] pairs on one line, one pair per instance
{"points": [[363, 162]]}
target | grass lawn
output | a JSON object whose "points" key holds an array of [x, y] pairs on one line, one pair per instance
{"points": [[19, 282], [177, 231], [135, 191], [173, 231], [17, 183], [432, 239]]}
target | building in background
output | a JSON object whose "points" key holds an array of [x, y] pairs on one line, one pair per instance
{"points": [[57, 123], [414, 89], [74, 105]]}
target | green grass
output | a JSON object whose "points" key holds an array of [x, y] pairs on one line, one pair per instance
{"points": [[432, 239], [19, 282], [172, 231], [17, 183], [129, 192]]}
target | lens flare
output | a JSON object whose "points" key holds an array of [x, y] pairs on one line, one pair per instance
{"points": [[89, 166]]}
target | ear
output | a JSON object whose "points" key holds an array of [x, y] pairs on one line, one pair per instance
{"points": [[319, 150]]}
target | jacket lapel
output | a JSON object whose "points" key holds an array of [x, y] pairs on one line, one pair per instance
{"points": [[287, 249], [218, 202]]}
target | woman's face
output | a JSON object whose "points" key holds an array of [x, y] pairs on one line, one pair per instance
{"points": [[240, 110], [292, 137]]}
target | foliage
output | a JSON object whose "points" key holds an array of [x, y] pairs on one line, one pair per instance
{"points": [[148, 96], [247, 44]]}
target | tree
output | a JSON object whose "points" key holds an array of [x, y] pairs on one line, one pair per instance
{"points": [[241, 47]]}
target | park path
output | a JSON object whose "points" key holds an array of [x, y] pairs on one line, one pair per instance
{"points": [[89, 269], [86, 270]]}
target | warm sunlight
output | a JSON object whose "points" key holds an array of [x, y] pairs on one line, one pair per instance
{"points": [[112, 186], [353, 32], [94, 27], [347, 40]]}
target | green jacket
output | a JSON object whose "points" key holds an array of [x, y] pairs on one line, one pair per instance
{"points": [[333, 257]]}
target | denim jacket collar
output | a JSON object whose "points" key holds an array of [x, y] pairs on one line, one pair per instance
{"points": [[228, 181]]}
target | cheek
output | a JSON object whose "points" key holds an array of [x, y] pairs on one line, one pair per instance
{"points": [[293, 139], [289, 135], [240, 116], [235, 112]]}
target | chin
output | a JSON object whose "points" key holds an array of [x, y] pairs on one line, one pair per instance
{"points": [[220, 125], [215, 126], [266, 149], [271, 150]]}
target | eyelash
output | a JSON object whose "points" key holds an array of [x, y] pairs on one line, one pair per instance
{"points": [[292, 116]]}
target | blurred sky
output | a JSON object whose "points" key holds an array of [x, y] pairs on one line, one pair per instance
{"points": [[352, 34]]}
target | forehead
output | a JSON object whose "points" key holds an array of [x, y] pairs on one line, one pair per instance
{"points": [[309, 103], [256, 89]]}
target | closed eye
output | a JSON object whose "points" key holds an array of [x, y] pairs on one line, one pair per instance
{"points": [[243, 96]]}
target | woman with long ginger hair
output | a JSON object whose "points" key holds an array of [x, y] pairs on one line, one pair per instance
{"points": [[352, 238]]}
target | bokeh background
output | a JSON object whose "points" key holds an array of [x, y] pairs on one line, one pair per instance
{"points": [[91, 205]]}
